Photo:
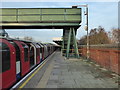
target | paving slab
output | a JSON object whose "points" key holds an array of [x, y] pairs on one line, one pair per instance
{"points": [[59, 72], [78, 73]]}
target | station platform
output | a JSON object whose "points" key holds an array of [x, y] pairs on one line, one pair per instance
{"points": [[58, 72]]}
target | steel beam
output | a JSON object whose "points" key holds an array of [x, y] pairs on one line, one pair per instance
{"points": [[62, 45], [75, 44], [68, 44]]}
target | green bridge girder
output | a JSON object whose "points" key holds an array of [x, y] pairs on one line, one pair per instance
{"points": [[68, 19], [44, 17]]}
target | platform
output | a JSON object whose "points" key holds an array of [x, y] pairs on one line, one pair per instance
{"points": [[58, 72]]}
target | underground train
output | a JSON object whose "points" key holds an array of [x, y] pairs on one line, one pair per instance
{"points": [[19, 57]]}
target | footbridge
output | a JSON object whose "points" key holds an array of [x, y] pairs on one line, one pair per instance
{"points": [[68, 19]]}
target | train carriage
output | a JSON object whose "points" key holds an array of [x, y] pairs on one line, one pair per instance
{"points": [[8, 53], [19, 57], [34, 53], [22, 58]]}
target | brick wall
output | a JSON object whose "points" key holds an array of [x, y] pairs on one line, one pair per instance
{"points": [[106, 56]]}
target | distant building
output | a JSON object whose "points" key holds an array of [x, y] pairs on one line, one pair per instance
{"points": [[58, 40]]}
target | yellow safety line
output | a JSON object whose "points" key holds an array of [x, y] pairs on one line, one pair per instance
{"points": [[32, 75]]}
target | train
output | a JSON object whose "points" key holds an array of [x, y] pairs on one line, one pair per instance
{"points": [[19, 57]]}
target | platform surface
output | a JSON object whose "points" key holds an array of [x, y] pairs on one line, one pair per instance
{"points": [[59, 72]]}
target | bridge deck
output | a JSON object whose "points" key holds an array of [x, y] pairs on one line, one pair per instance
{"points": [[40, 17], [73, 73]]}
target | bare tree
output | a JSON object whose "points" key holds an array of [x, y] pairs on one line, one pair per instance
{"points": [[96, 36], [115, 35]]}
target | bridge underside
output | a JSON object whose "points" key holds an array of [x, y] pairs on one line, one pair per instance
{"points": [[67, 19], [37, 26]]}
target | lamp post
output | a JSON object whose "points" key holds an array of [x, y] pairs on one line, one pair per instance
{"points": [[86, 27]]}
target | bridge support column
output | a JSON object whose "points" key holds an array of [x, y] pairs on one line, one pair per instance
{"points": [[69, 45]]}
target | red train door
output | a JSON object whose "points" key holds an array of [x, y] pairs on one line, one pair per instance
{"points": [[37, 53], [7, 52], [42, 50], [25, 62], [26, 59], [18, 58], [41, 54]]}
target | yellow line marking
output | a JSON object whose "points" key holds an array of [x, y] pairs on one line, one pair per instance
{"points": [[32, 75], [46, 75]]}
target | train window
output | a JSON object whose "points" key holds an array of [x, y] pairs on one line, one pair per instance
{"points": [[40, 50], [17, 52], [5, 52], [25, 52]]}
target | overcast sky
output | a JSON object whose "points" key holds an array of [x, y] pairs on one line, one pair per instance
{"points": [[103, 14]]}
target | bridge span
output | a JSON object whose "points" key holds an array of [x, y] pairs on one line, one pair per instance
{"points": [[68, 19]]}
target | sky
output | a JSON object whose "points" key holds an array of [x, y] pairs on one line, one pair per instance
{"points": [[103, 14], [119, 14]]}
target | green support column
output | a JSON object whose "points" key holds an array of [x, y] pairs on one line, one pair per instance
{"points": [[62, 45], [68, 44], [75, 44]]}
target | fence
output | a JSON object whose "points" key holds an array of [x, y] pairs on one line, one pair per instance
{"points": [[108, 56]]}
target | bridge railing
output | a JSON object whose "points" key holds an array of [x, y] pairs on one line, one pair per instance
{"points": [[106, 55]]}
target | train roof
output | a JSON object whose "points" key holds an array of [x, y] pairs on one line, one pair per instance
{"points": [[11, 39]]}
